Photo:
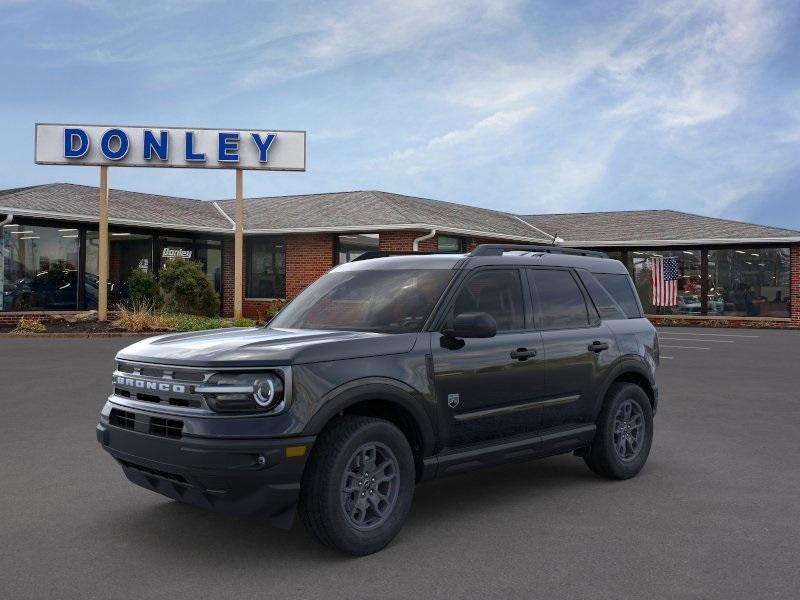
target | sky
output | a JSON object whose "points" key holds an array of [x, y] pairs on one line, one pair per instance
{"points": [[528, 107]]}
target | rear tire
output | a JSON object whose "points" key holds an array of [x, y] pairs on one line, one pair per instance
{"points": [[624, 433], [357, 488]]}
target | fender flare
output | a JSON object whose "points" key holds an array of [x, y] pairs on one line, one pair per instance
{"points": [[375, 388], [629, 364]]}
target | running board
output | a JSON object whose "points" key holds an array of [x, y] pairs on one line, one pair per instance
{"points": [[451, 462]]}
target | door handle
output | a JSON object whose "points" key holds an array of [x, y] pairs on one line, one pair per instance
{"points": [[522, 353], [598, 346]]}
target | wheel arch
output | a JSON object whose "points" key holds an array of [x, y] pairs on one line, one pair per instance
{"points": [[629, 371], [392, 400]]}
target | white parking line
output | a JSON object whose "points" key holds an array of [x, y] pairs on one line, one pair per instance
{"points": [[672, 339], [736, 335], [688, 347]]}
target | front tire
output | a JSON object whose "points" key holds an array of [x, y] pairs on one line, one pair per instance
{"points": [[624, 433], [357, 488]]}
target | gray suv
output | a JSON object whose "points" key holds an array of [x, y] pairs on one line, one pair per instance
{"points": [[386, 372]]}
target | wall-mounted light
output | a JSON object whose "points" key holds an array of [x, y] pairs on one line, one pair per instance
{"points": [[21, 232], [30, 237], [68, 230]]}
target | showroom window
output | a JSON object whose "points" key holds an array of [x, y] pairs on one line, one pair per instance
{"points": [[39, 267], [266, 267], [668, 281], [448, 244], [209, 255], [748, 282], [128, 252], [349, 247]]}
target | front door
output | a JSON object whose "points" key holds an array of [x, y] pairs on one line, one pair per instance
{"points": [[486, 388], [578, 347]]}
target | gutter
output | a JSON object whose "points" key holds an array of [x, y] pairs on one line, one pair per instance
{"points": [[224, 214], [7, 220], [686, 242], [422, 238]]}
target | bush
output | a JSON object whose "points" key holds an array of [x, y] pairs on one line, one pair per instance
{"points": [[142, 318], [26, 325], [186, 290], [195, 323], [143, 289]]}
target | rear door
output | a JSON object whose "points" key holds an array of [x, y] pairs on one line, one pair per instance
{"points": [[578, 346], [486, 388]]}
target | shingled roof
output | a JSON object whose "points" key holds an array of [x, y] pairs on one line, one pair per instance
{"points": [[374, 210], [363, 211], [627, 228], [79, 203]]}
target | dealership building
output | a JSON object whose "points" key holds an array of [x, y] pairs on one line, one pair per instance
{"points": [[741, 273]]}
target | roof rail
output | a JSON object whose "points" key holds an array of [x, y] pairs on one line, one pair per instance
{"points": [[498, 249], [384, 253]]}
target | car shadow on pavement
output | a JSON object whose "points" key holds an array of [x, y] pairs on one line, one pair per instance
{"points": [[170, 527]]}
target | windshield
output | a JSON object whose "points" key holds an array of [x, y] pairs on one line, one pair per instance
{"points": [[390, 301]]}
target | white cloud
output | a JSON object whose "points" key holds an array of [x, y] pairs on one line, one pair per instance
{"points": [[476, 143]]}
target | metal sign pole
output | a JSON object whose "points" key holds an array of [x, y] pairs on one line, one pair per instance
{"points": [[102, 259], [238, 247]]}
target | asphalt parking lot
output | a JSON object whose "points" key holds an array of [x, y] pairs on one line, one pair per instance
{"points": [[715, 513]]}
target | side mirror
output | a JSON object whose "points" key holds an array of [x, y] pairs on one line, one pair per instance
{"points": [[472, 325]]}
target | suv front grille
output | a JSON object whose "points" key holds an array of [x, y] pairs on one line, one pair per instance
{"points": [[148, 471], [171, 428], [125, 419], [122, 418], [160, 385]]}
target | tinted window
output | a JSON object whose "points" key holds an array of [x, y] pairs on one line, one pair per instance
{"points": [[497, 292], [619, 286], [561, 301], [389, 301], [38, 268], [749, 282], [605, 304], [352, 246], [450, 244], [266, 267]]}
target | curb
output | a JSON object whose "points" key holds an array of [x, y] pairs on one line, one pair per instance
{"points": [[121, 334]]}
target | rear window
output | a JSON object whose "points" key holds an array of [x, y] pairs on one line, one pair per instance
{"points": [[621, 290], [606, 306], [561, 303]]}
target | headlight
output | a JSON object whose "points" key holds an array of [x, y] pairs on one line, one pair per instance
{"points": [[243, 392]]}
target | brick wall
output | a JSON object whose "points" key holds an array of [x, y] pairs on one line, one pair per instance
{"points": [[404, 241], [794, 284], [227, 277], [308, 256]]}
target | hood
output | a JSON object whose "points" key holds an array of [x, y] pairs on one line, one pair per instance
{"points": [[260, 346]]}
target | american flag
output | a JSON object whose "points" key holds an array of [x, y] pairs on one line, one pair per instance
{"points": [[665, 280]]}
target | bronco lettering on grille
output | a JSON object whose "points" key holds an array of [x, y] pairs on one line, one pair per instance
{"points": [[144, 384]]}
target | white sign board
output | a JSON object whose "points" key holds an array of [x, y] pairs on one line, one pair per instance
{"points": [[189, 148]]}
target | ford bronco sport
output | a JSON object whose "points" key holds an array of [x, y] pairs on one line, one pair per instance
{"points": [[386, 372]]}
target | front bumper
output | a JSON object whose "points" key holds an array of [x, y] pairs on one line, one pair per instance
{"points": [[233, 476]]}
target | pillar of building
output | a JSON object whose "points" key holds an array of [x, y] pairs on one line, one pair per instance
{"points": [[794, 283]]}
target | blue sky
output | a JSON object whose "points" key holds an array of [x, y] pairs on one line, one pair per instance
{"points": [[556, 106]]}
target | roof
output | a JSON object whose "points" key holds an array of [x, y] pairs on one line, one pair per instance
{"points": [[666, 227], [80, 203], [371, 211], [374, 210]]}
